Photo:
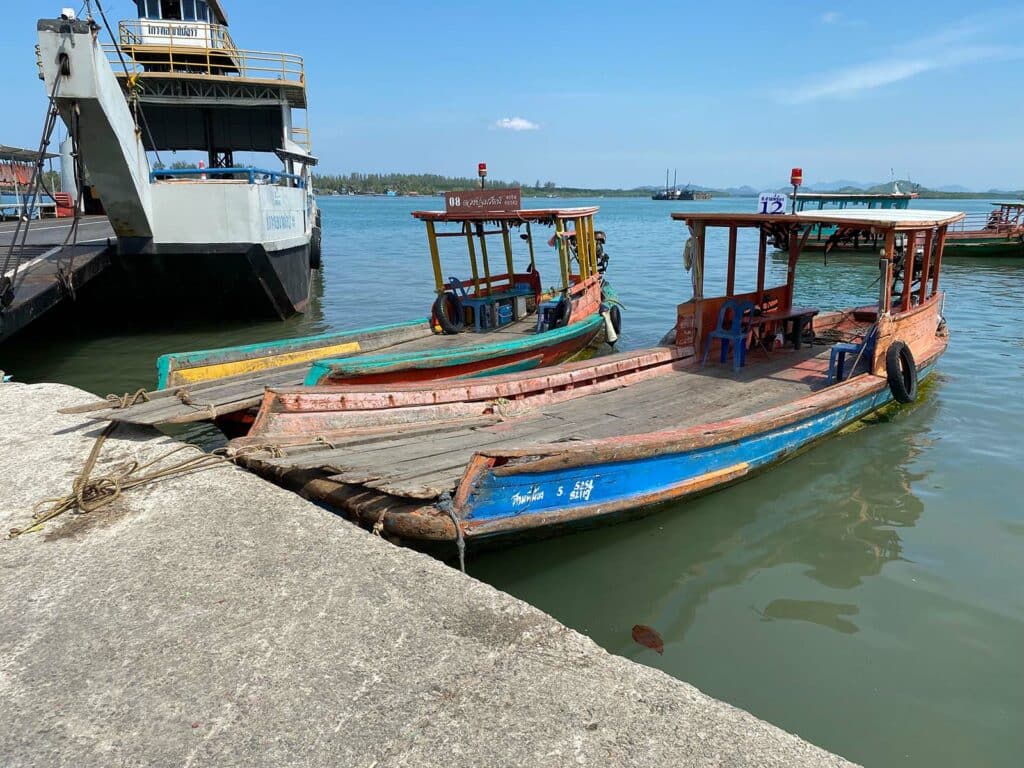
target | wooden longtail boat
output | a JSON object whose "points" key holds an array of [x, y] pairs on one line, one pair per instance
{"points": [[488, 324], [588, 441], [998, 233]]}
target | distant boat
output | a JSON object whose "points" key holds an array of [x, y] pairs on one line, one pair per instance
{"points": [[998, 233], [675, 193]]}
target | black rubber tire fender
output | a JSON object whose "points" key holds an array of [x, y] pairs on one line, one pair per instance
{"points": [[615, 314], [562, 312], [455, 323], [901, 371], [315, 248]]}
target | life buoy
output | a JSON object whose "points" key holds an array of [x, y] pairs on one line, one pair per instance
{"points": [[901, 372], [448, 313], [562, 313]]}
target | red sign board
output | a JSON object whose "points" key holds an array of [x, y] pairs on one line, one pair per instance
{"points": [[476, 201]]}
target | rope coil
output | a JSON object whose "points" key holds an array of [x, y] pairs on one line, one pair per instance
{"points": [[89, 494]]}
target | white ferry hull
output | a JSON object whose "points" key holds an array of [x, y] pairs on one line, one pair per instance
{"points": [[237, 245]]}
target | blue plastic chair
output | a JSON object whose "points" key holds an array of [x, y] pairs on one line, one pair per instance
{"points": [[736, 333], [837, 355]]}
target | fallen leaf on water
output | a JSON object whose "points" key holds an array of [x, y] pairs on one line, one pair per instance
{"points": [[648, 637]]}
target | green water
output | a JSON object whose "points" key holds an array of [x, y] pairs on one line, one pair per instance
{"points": [[865, 595]]}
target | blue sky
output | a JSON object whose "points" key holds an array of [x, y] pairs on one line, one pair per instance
{"points": [[610, 94]]}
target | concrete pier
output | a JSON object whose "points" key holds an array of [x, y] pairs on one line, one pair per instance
{"points": [[214, 619]]}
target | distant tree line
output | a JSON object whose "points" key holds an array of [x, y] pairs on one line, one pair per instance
{"points": [[432, 183]]}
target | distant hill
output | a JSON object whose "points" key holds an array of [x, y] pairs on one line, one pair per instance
{"points": [[429, 184]]}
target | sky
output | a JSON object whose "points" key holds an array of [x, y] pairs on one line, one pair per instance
{"points": [[610, 94]]}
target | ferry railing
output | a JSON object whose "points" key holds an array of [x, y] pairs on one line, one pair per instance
{"points": [[254, 175], [212, 55]]}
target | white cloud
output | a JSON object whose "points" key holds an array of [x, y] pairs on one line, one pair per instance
{"points": [[516, 124], [831, 17], [914, 59]]}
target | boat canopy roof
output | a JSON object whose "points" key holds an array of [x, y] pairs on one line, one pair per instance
{"points": [[998, 205], [852, 196], [536, 215], [18, 155], [900, 219]]}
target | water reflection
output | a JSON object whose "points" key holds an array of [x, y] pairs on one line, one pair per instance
{"points": [[819, 612], [835, 513]]}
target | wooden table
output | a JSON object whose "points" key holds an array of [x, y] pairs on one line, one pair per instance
{"points": [[797, 318]]}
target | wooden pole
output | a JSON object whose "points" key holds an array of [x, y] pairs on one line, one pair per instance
{"points": [[908, 270], [929, 241], [890, 248], [507, 242], [563, 253], [483, 254], [939, 247], [529, 242], [762, 258], [472, 257], [435, 256], [730, 278]]}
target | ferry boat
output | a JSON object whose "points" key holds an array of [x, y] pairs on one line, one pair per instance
{"points": [[230, 237]]}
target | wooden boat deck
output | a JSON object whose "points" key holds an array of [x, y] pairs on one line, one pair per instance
{"points": [[423, 462], [205, 400]]}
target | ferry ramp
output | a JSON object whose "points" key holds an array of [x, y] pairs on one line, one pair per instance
{"points": [[45, 272]]}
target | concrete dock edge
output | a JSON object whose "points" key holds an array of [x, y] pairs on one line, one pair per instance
{"points": [[215, 619]]}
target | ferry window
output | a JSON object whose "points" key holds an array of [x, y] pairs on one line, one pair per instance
{"points": [[170, 9], [188, 10], [149, 9], [202, 13]]}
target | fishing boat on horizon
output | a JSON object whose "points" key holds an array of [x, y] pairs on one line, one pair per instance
{"points": [[488, 321], [228, 238], [675, 193]]}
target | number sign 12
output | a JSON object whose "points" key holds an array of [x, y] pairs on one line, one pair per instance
{"points": [[771, 202]]}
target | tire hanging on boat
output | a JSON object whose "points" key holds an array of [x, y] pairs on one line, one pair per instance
{"points": [[445, 303], [315, 243], [616, 317], [562, 313], [901, 372]]}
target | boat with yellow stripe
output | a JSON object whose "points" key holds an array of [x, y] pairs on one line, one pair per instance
{"points": [[489, 322]]}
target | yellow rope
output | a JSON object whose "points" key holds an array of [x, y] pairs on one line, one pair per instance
{"points": [[89, 493], [127, 399]]}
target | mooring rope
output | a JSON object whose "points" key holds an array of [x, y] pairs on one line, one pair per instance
{"points": [[186, 399], [445, 505], [89, 493], [127, 400]]}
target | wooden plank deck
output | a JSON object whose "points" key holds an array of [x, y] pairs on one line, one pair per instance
{"points": [[204, 400], [37, 288], [422, 462]]}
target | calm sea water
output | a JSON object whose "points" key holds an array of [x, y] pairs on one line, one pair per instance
{"points": [[866, 595]]}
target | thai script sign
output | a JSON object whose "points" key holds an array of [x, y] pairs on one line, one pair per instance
{"points": [[483, 201]]}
